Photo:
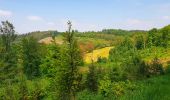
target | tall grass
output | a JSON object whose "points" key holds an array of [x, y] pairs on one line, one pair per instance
{"points": [[153, 89]]}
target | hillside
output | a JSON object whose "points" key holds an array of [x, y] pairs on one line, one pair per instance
{"points": [[38, 35], [126, 64]]}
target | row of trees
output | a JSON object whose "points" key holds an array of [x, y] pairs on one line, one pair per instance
{"points": [[155, 37]]}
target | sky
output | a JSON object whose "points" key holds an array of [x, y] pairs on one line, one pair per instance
{"points": [[86, 15]]}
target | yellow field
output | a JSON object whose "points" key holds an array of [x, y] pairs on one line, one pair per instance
{"points": [[104, 52]]}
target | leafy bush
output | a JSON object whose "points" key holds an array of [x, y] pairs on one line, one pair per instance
{"points": [[168, 68], [102, 60], [105, 86], [156, 68]]}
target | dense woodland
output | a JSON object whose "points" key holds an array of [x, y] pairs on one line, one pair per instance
{"points": [[138, 66]]}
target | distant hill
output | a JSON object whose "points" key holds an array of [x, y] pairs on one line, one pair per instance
{"points": [[38, 35]]}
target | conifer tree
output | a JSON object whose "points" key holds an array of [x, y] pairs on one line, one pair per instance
{"points": [[31, 57], [91, 82], [74, 59]]}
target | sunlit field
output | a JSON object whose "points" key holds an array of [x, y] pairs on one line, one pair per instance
{"points": [[95, 54]]}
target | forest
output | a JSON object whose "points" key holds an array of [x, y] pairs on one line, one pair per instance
{"points": [[137, 65]]}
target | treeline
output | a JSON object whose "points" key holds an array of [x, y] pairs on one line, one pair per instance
{"points": [[38, 35]]}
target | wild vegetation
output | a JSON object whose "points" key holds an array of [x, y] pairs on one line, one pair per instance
{"points": [[106, 65]]}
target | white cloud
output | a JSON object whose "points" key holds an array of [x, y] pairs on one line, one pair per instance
{"points": [[5, 13], [34, 18], [166, 17], [136, 24], [51, 24], [134, 21]]}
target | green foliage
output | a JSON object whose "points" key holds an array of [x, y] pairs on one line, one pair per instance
{"points": [[74, 59], [86, 95], [8, 34], [38, 35], [102, 60], [33, 71], [159, 37], [116, 74], [156, 67], [122, 52], [51, 62], [92, 79], [31, 57], [115, 90], [9, 91], [140, 42], [8, 53], [64, 67], [151, 89], [168, 68], [105, 86]]}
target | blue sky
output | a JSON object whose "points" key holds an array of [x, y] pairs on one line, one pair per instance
{"points": [[86, 15]]}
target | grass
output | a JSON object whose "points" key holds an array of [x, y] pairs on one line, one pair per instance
{"points": [[104, 52], [156, 88], [161, 53]]}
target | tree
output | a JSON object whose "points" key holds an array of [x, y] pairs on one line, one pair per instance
{"points": [[159, 37], [52, 62], [8, 34], [8, 57], [140, 43], [165, 36], [156, 67], [65, 62], [74, 59], [92, 81], [31, 57]]}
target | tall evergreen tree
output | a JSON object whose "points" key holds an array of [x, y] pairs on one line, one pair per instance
{"points": [[64, 65], [74, 59], [31, 57], [92, 81]]}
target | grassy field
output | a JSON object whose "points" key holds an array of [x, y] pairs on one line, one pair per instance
{"points": [[161, 53], [156, 88], [104, 52]]}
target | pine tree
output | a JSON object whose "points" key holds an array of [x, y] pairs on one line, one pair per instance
{"points": [[65, 62], [92, 81], [31, 57], [74, 60]]}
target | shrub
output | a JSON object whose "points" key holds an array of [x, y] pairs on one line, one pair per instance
{"points": [[168, 68], [102, 60], [105, 86], [92, 79], [115, 74], [156, 68]]}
